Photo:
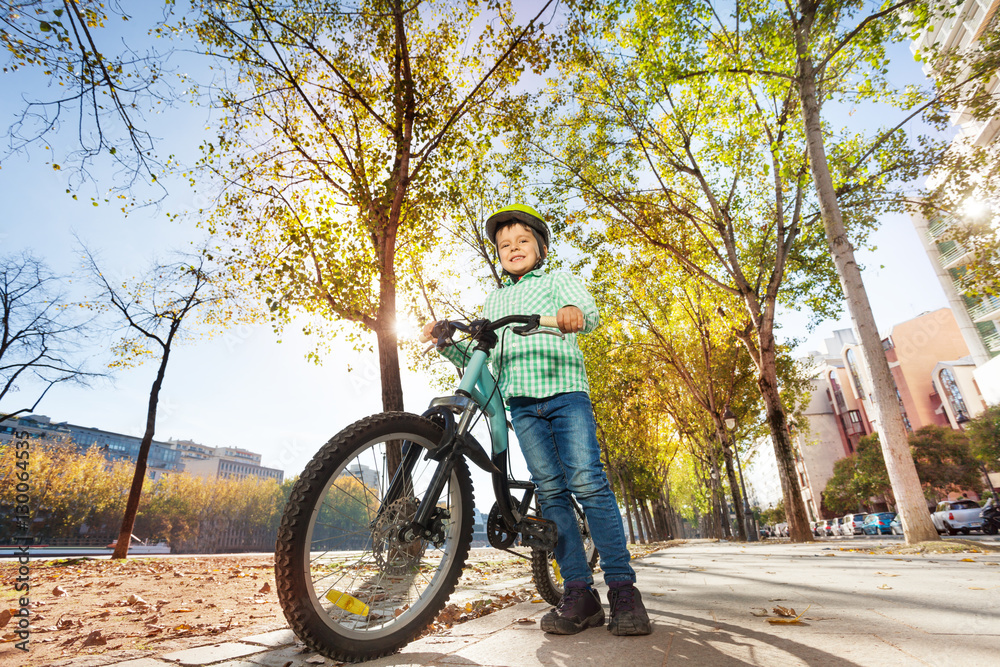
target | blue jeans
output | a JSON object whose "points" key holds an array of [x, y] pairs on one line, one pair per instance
{"points": [[558, 437]]}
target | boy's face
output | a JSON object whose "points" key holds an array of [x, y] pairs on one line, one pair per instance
{"points": [[518, 249]]}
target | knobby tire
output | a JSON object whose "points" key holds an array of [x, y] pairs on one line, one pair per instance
{"points": [[310, 577]]}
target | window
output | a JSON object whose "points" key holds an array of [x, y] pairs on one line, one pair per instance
{"points": [[953, 394], [838, 395], [852, 423], [852, 365]]}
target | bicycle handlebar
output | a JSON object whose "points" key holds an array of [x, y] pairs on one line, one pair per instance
{"points": [[543, 321]]}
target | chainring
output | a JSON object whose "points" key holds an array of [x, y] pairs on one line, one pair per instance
{"points": [[499, 536]]}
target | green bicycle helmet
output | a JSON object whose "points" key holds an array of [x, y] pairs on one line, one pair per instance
{"points": [[525, 215]]}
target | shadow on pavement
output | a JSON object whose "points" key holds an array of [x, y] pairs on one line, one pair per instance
{"points": [[675, 642]]}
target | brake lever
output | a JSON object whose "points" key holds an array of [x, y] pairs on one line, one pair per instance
{"points": [[557, 334]]}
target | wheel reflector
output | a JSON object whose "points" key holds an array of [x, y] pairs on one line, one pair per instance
{"points": [[348, 603]]}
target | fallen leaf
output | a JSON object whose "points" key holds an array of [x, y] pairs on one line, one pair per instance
{"points": [[886, 574], [783, 611], [788, 621], [762, 612], [976, 588], [525, 621], [5, 617], [968, 560], [135, 599], [886, 587], [59, 592], [181, 610]]}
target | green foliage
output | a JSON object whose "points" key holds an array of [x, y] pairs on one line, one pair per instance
{"points": [[984, 437], [774, 515], [945, 461], [338, 144], [857, 478], [943, 458]]}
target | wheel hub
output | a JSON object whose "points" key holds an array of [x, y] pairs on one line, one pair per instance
{"points": [[396, 550]]}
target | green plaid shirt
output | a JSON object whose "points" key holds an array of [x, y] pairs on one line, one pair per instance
{"points": [[535, 366]]}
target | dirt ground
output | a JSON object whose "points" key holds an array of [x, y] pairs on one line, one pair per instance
{"points": [[116, 610]]}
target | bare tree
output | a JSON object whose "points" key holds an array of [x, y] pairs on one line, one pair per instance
{"points": [[98, 82], [153, 313], [39, 339]]}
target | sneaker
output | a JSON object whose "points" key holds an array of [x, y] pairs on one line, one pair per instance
{"points": [[628, 614], [579, 609]]}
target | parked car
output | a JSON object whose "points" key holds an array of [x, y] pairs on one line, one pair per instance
{"points": [[878, 523], [896, 525], [953, 516], [851, 524], [837, 526], [819, 528], [781, 529], [828, 527]]}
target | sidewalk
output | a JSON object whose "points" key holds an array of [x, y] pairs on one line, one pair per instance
{"points": [[707, 602]]}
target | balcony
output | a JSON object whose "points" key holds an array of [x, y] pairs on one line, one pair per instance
{"points": [[987, 309], [937, 227], [953, 254], [992, 341]]}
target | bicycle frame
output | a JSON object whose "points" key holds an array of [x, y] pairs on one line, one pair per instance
{"points": [[477, 391]]}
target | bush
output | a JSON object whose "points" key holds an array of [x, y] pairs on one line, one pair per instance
{"points": [[71, 490]]}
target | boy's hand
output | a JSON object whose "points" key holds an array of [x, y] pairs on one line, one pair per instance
{"points": [[428, 330], [570, 319]]}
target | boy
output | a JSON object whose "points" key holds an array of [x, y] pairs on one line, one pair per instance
{"points": [[544, 382]]}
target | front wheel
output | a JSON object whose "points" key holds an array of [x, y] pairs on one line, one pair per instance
{"points": [[989, 528], [352, 584]]}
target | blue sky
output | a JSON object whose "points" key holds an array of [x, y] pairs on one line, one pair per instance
{"points": [[243, 389]]}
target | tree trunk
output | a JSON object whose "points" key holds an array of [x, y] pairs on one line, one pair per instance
{"points": [[917, 525], [388, 363], [639, 533], [719, 502], [651, 534], [734, 490], [139, 476], [795, 508]]}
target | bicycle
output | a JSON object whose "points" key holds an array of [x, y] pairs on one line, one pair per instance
{"points": [[378, 526]]}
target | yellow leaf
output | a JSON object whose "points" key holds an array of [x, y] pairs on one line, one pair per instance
{"points": [[788, 621]]}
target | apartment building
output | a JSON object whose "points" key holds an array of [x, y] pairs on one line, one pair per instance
{"points": [[229, 462], [978, 317], [162, 459], [933, 373]]}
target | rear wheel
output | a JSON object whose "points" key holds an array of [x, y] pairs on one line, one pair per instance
{"points": [[350, 582], [545, 571], [989, 528]]}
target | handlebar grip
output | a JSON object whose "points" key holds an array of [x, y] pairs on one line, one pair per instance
{"points": [[548, 321]]}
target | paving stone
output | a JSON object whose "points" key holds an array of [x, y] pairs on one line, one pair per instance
{"points": [[206, 655], [275, 638], [140, 662]]}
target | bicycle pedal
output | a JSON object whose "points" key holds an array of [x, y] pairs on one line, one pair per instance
{"points": [[538, 533]]}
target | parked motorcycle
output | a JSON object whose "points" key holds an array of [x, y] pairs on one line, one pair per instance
{"points": [[991, 517]]}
